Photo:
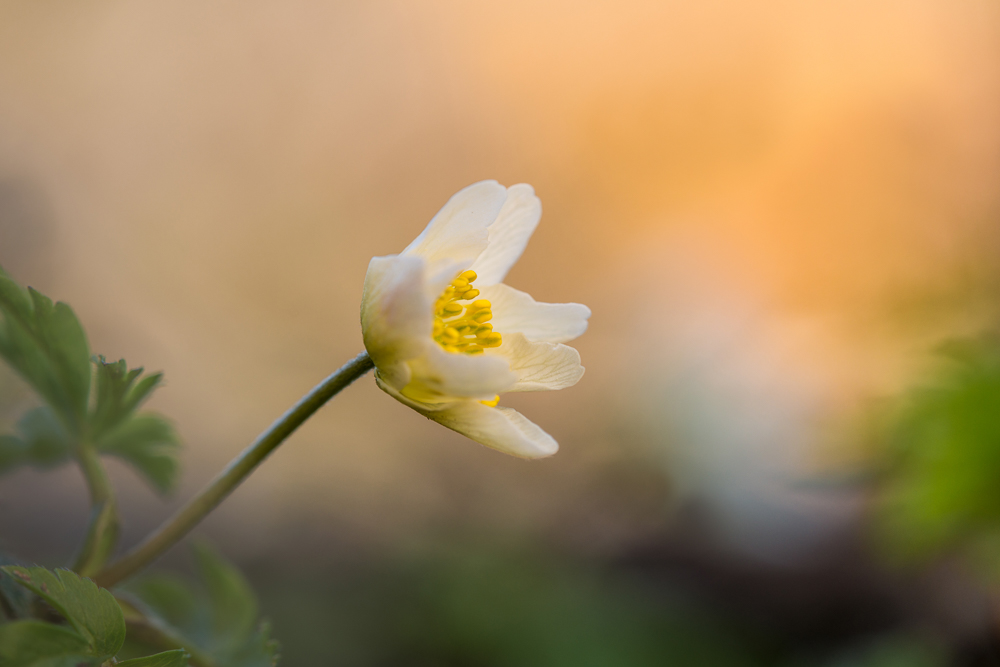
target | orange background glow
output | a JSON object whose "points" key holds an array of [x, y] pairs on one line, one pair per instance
{"points": [[777, 197]]}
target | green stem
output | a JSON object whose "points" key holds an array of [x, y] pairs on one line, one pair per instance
{"points": [[238, 470], [102, 535]]}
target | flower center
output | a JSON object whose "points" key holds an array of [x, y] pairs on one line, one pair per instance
{"points": [[464, 328]]}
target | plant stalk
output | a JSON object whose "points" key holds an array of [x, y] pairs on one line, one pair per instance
{"points": [[102, 534], [175, 528]]}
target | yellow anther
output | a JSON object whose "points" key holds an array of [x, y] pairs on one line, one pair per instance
{"points": [[492, 403], [492, 340], [464, 329]]}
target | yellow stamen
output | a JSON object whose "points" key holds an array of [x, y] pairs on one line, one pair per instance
{"points": [[492, 403], [464, 328], [491, 340]]}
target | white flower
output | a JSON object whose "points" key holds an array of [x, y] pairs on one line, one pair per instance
{"points": [[448, 337]]}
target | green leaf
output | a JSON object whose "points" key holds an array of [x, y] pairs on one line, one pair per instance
{"points": [[45, 439], [221, 620], [118, 393], [177, 658], [259, 651], [67, 343], [13, 297], [940, 490], [149, 443], [234, 606], [92, 611], [175, 603], [14, 599], [46, 345], [42, 441], [35, 643]]}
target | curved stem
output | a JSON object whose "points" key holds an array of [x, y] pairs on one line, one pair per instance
{"points": [[238, 470], [102, 535]]}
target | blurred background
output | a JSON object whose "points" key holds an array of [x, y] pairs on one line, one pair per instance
{"points": [[776, 211]]}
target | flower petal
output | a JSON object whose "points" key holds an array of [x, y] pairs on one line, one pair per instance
{"points": [[440, 276], [508, 235], [459, 231], [396, 317], [437, 373], [397, 375], [539, 366], [504, 429], [515, 311]]}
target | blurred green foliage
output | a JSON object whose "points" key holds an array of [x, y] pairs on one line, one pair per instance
{"points": [[58, 618], [940, 490], [146, 441], [175, 658], [491, 606], [481, 606], [889, 651], [45, 343], [92, 632], [92, 611], [218, 621]]}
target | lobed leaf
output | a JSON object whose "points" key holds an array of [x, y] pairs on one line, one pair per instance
{"points": [[42, 441], [221, 620], [45, 439], [233, 604], [92, 611], [260, 651], [117, 393], [14, 599], [177, 605], [36, 643], [149, 443], [46, 345], [44, 342]]}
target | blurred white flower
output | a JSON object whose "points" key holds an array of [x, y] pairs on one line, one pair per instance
{"points": [[448, 337], [738, 398]]}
